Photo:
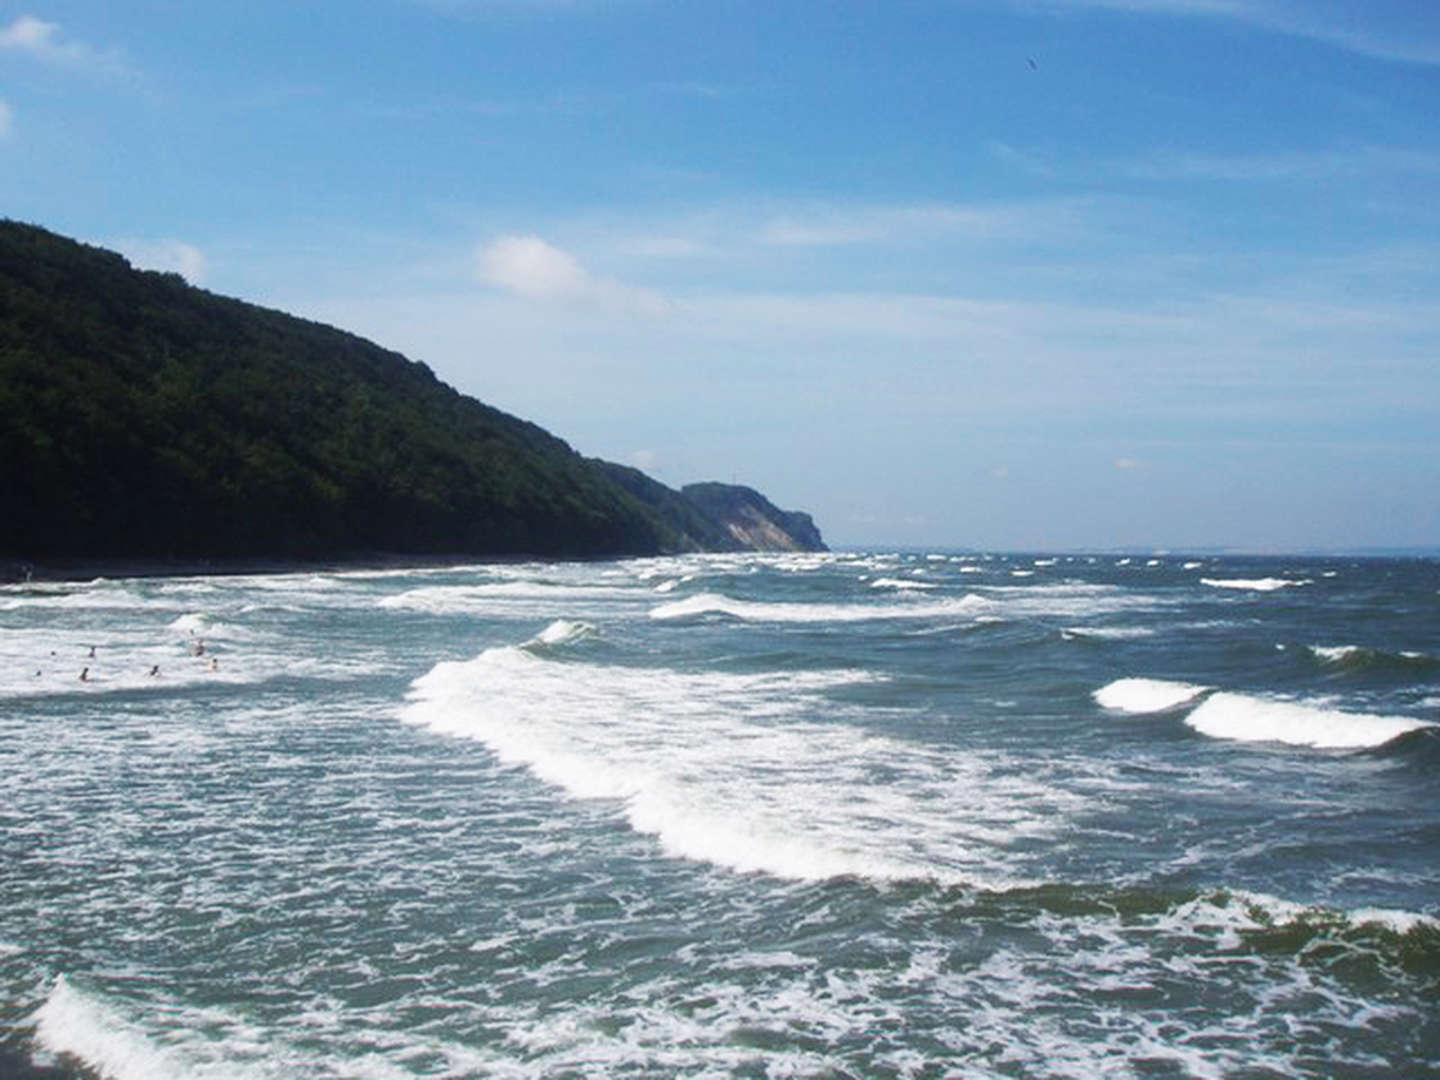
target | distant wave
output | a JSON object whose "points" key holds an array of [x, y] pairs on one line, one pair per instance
{"points": [[900, 583], [1065, 599], [757, 611], [463, 599], [1362, 657], [1269, 584], [1108, 633]]}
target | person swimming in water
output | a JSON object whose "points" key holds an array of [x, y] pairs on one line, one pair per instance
{"points": [[85, 674], [155, 670]]}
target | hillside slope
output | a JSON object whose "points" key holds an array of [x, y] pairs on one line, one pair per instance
{"points": [[143, 418]]}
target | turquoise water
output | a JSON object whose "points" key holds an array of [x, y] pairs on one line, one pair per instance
{"points": [[849, 815]]}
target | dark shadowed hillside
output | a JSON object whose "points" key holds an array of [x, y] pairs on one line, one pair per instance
{"points": [[143, 418]]}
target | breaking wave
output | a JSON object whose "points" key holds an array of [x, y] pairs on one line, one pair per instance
{"points": [[727, 768]]}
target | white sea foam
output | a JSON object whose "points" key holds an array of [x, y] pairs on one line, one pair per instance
{"points": [[727, 768], [1400, 922], [1268, 584], [106, 596], [901, 583], [1248, 718], [1146, 695], [1242, 909], [1192, 565]]}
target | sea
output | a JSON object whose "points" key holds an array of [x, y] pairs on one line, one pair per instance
{"points": [[854, 814]]}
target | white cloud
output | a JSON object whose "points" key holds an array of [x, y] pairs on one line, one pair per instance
{"points": [[168, 256], [31, 34], [531, 267], [7, 119], [44, 41], [534, 268], [1126, 463]]}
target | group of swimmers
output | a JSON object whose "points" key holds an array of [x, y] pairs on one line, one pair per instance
{"points": [[197, 648]]}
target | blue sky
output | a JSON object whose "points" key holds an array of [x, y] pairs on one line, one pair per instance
{"points": [[1021, 274]]}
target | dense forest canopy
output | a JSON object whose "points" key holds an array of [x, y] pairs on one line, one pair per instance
{"points": [[146, 418]]}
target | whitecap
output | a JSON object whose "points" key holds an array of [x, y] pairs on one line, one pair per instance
{"points": [[1246, 718], [1108, 633], [1335, 654], [563, 632], [1146, 695], [1268, 584]]}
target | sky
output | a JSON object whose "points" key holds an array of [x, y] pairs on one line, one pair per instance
{"points": [[997, 274]]}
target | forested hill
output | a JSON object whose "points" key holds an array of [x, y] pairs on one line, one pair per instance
{"points": [[142, 418]]}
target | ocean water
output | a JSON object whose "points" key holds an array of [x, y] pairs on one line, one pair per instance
{"points": [[844, 815]]}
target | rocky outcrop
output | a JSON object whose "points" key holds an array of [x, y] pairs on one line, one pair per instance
{"points": [[753, 521]]}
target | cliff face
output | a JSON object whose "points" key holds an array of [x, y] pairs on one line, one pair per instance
{"points": [[752, 520], [142, 418]]}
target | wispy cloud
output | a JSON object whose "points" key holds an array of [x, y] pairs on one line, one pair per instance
{"points": [[7, 119], [1179, 165], [825, 225], [1296, 165], [1399, 30], [44, 41]]}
